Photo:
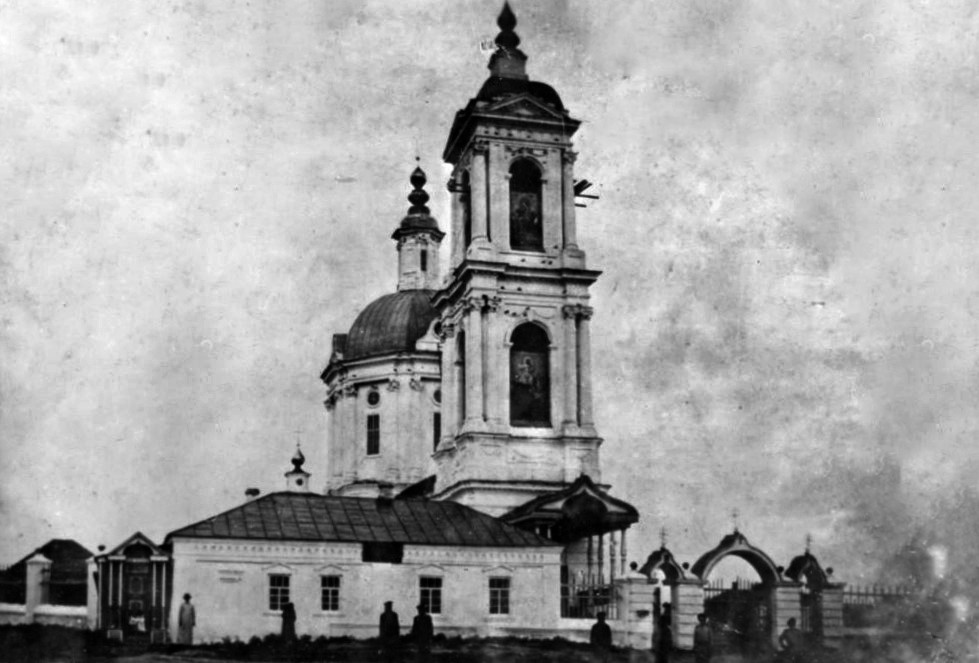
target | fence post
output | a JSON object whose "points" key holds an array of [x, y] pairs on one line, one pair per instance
{"points": [[38, 568]]}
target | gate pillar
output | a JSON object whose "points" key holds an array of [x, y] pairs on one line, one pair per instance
{"points": [[785, 606], [833, 614], [688, 602]]}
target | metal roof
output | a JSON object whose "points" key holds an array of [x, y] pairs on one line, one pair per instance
{"points": [[392, 323], [311, 517]]}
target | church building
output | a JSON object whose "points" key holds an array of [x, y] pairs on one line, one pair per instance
{"points": [[462, 453]]}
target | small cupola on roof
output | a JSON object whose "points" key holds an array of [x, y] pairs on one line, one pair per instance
{"points": [[297, 479], [418, 237]]}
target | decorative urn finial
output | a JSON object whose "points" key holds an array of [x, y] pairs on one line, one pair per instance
{"points": [[298, 459], [418, 197]]}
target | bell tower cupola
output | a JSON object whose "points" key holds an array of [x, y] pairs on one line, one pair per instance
{"points": [[514, 317], [418, 238]]}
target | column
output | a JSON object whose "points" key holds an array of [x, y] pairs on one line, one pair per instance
{"points": [[457, 250], [110, 597], [601, 559], [152, 621], [450, 396], [611, 557], [474, 365], [552, 205], [353, 446], [622, 553], [570, 366], [590, 548], [478, 192], [567, 181], [499, 195], [495, 363], [584, 369]]}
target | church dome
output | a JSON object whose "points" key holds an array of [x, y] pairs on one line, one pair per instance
{"points": [[392, 323]]}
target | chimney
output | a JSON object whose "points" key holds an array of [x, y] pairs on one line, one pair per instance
{"points": [[252, 493], [385, 495]]}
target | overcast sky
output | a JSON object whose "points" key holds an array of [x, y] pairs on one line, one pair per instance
{"points": [[194, 197]]}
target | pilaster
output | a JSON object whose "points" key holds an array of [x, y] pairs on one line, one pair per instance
{"points": [[474, 366], [479, 193]]}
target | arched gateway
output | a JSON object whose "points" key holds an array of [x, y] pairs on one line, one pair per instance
{"points": [[755, 614]]}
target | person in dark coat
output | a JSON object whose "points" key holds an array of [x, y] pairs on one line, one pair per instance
{"points": [[601, 638], [703, 640], [664, 638], [389, 633], [289, 622], [422, 632]]}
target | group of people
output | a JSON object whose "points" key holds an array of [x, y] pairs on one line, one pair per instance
{"points": [[422, 633], [791, 640]]}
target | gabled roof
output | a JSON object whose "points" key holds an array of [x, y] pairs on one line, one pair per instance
{"points": [[137, 539], [581, 509], [309, 517]]}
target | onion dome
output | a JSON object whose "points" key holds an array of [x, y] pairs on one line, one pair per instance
{"points": [[392, 323], [419, 217]]}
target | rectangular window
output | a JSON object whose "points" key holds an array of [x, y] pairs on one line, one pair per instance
{"points": [[373, 434], [499, 596], [431, 594], [330, 593], [424, 260], [278, 591], [436, 429]]}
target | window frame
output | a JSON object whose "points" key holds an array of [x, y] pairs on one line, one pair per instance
{"points": [[279, 595], [332, 591], [431, 596], [501, 595]]}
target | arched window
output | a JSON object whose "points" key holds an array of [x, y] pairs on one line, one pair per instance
{"points": [[526, 226], [465, 197], [530, 392]]}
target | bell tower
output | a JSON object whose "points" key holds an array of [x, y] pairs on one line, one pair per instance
{"points": [[514, 318]]}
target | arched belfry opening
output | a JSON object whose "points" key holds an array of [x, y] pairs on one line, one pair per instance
{"points": [[530, 391], [526, 227]]}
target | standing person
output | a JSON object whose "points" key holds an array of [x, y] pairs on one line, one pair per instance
{"points": [[289, 622], [421, 634], [703, 640], [791, 642], [601, 638], [390, 633], [664, 641], [186, 619]]}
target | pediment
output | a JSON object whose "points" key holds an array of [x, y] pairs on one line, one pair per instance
{"points": [[524, 106]]}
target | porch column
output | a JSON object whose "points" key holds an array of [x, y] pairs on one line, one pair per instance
{"points": [[622, 553], [584, 368], [590, 549], [152, 622], [601, 558], [110, 598], [611, 557]]}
